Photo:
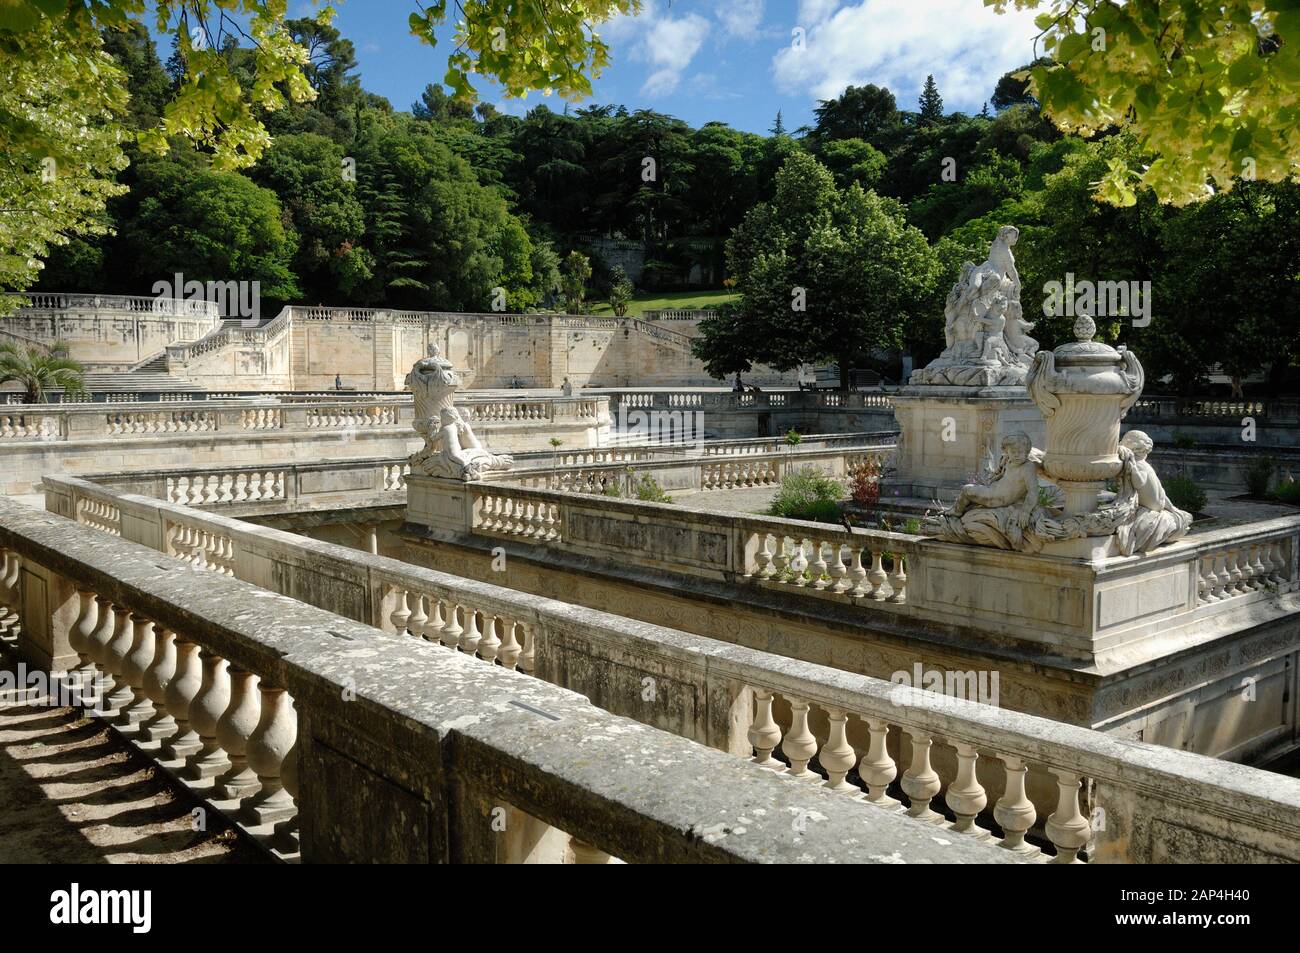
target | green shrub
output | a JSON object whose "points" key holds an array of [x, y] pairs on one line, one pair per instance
{"points": [[1258, 475], [808, 495], [1185, 494], [1288, 491], [1184, 441], [648, 490], [611, 489]]}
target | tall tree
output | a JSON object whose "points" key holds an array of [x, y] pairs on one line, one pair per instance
{"points": [[827, 274], [930, 107]]}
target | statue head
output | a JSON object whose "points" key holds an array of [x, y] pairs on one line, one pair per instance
{"points": [[1017, 446], [1008, 234], [1138, 442]]}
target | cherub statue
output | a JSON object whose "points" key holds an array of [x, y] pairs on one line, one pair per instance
{"points": [[1023, 347], [1002, 512], [1157, 521], [993, 346]]}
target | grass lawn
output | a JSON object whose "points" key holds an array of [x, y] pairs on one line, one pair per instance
{"points": [[666, 299]]}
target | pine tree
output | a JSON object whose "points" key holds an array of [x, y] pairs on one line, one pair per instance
{"points": [[931, 103], [984, 112], [779, 128]]}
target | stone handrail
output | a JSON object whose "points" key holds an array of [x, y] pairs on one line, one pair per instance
{"points": [[45, 301], [294, 712], [1117, 799]]}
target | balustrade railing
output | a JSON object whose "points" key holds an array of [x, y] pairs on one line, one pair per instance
{"points": [[977, 775], [255, 713]]}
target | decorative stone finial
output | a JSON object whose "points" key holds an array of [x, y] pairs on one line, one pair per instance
{"points": [[1084, 328]]}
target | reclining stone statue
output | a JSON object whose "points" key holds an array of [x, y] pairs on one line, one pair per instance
{"points": [[450, 447]]}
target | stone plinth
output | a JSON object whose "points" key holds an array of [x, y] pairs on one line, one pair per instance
{"points": [[949, 433]]}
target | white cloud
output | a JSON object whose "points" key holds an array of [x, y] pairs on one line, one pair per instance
{"points": [[740, 18], [668, 44], [895, 43]]}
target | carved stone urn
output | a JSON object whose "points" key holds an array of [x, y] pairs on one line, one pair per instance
{"points": [[1083, 390]]}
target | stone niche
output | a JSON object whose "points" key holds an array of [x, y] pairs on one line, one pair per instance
{"points": [[950, 433]]}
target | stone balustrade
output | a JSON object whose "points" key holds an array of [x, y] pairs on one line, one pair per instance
{"points": [[1041, 790], [702, 468], [44, 301], [260, 489], [89, 421], [286, 718], [1078, 609], [206, 437]]}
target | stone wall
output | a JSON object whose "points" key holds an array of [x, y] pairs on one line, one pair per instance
{"points": [[111, 332]]}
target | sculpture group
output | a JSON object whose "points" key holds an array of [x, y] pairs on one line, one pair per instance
{"points": [[1014, 509], [1083, 389], [450, 448], [985, 331]]}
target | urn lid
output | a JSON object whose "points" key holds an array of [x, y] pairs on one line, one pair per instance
{"points": [[1084, 351]]}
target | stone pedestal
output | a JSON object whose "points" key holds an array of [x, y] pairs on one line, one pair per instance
{"points": [[949, 433], [440, 503]]}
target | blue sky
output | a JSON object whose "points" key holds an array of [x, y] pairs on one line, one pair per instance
{"points": [[738, 61]]}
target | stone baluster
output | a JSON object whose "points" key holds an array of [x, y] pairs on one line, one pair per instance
{"points": [[510, 649], [898, 579], [1014, 812], [1066, 827], [205, 711], [1258, 573], [763, 557], [965, 796], [489, 644], [920, 783], [817, 569], [115, 658], [451, 629], [433, 627], [97, 651], [839, 572], [157, 677], [181, 692], [764, 732], [857, 582], [276, 733], [877, 768], [799, 564], [136, 663], [79, 640], [799, 745], [780, 559], [1205, 581], [528, 658], [471, 637], [876, 575], [419, 620], [234, 728], [286, 832], [837, 755], [401, 613]]}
